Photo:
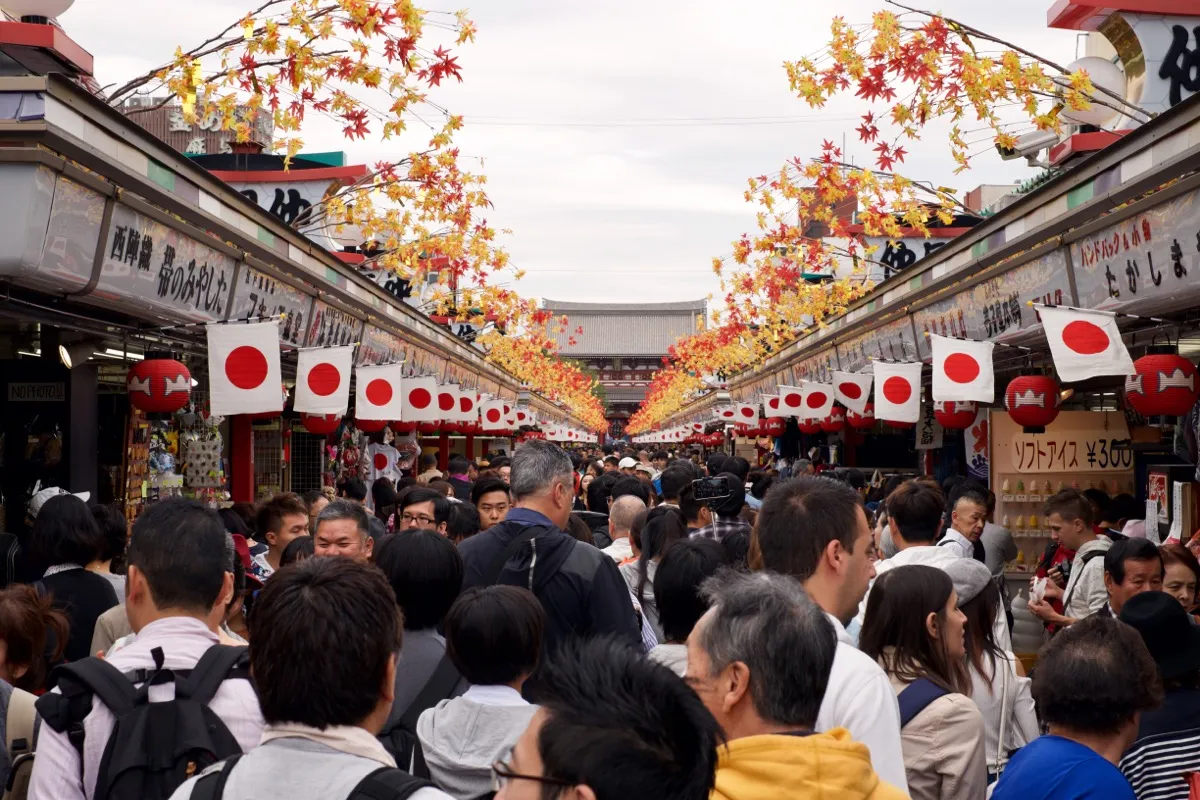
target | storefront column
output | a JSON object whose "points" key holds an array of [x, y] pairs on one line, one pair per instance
{"points": [[470, 447], [241, 461], [83, 434], [444, 452]]}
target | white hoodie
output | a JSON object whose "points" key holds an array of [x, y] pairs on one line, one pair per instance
{"points": [[1085, 592]]}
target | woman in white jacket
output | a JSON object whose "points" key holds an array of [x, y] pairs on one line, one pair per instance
{"points": [[1003, 697]]}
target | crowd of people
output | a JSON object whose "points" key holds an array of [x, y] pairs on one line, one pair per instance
{"points": [[597, 625]]}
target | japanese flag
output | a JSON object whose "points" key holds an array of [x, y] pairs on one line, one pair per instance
{"points": [[323, 380], [420, 400], [698, 427], [962, 370], [243, 368], [447, 402], [491, 415], [468, 405], [853, 390], [510, 414], [525, 417], [377, 392], [818, 401], [898, 392], [726, 413], [747, 413], [770, 404], [1085, 344], [791, 401], [383, 459]]}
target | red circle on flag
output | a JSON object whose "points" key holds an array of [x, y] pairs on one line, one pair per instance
{"points": [[493, 415], [816, 399], [773, 403], [379, 392], [246, 367], [961, 368], [419, 398], [850, 389], [897, 390], [747, 412], [324, 379], [445, 401], [793, 400], [466, 404], [1085, 338], [381, 462]]}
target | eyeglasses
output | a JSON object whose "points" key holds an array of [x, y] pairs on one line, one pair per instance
{"points": [[502, 773], [419, 519]]}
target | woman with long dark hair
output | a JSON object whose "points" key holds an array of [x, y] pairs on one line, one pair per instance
{"points": [[650, 535], [914, 629]]}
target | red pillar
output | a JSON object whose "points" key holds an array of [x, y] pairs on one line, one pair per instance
{"points": [[444, 452], [470, 447], [241, 462]]}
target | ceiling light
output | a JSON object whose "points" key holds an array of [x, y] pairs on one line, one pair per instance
{"points": [[76, 353]]}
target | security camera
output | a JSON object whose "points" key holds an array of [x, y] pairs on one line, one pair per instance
{"points": [[1029, 145]]}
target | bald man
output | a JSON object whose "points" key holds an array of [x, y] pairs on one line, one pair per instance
{"points": [[621, 515]]}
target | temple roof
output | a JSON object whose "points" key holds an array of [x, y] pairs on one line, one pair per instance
{"points": [[625, 329]]}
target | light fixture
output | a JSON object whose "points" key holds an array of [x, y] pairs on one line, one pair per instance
{"points": [[37, 11], [76, 353], [1065, 395]]}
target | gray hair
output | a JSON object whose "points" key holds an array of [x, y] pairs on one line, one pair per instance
{"points": [[346, 509], [536, 465], [624, 511], [802, 465], [769, 623]]}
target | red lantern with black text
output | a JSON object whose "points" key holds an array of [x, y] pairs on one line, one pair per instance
{"points": [[774, 426], [1032, 401], [955, 416], [1163, 386], [321, 424], [836, 420], [159, 385], [864, 420], [370, 425]]}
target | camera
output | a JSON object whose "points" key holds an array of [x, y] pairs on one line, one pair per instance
{"points": [[1029, 145], [712, 490]]}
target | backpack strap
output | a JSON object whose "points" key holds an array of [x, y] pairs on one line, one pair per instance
{"points": [[212, 785], [497, 567], [439, 686], [914, 698], [19, 722], [387, 783], [213, 668]]}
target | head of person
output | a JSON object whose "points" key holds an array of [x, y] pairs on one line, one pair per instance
{"points": [[1170, 635], [459, 465], [180, 564], [426, 573], [65, 532], [914, 512], [583, 484], [695, 513], [660, 459], [463, 523], [674, 480], [423, 509], [494, 635], [659, 741], [444, 488], [595, 469], [814, 529], [736, 465], [27, 619], [855, 480], [1181, 574], [761, 486], [503, 467], [914, 628], [621, 515], [114, 531], [1093, 681], [300, 548], [760, 657], [611, 463], [579, 530], [343, 530], [626, 485], [543, 481], [301, 611], [969, 513], [599, 491], [685, 566], [1120, 510], [979, 600], [1131, 566], [1069, 517], [383, 498], [281, 519], [352, 489], [802, 467], [731, 507], [715, 463], [1099, 500], [491, 498], [234, 524], [314, 500], [428, 462], [627, 465]]}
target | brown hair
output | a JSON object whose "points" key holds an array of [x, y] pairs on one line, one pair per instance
{"points": [[1070, 504], [270, 514], [915, 511], [1178, 554], [25, 619]]}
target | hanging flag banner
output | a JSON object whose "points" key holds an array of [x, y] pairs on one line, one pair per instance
{"points": [[726, 413], [962, 370], [853, 390], [818, 400], [491, 415], [323, 380], [898, 392], [243, 368], [510, 414], [791, 401], [468, 405], [770, 404], [447, 401], [975, 439], [420, 400], [1085, 344], [747, 413], [377, 392]]}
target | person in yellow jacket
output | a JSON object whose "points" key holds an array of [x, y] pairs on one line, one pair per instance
{"points": [[760, 660]]}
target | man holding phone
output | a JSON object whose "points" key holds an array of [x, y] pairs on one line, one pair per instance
{"points": [[725, 495]]}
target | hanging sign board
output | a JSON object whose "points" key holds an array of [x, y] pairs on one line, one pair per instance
{"points": [[329, 326], [1077, 441], [257, 294], [380, 347], [893, 341], [818, 368]]}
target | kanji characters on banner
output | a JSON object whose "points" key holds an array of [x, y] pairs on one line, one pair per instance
{"points": [[420, 400], [962, 370], [243, 368], [853, 390], [323, 380], [898, 392], [1085, 344], [818, 400], [791, 401], [378, 393]]}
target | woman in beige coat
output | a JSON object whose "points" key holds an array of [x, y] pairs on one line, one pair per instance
{"points": [[914, 629]]}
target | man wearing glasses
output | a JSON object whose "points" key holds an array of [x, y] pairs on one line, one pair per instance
{"points": [[423, 509]]}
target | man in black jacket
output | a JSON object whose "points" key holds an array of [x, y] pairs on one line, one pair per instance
{"points": [[580, 588]]}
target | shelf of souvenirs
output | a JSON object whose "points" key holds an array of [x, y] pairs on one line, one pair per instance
{"points": [[1035, 490]]}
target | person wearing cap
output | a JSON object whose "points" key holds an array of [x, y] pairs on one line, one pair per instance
{"points": [[628, 465], [1168, 737]]}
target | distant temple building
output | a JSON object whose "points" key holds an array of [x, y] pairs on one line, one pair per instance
{"points": [[624, 345]]}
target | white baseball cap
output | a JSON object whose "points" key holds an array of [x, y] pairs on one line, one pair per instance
{"points": [[40, 497], [627, 463]]}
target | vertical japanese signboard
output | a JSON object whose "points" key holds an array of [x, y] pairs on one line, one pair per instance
{"points": [[257, 294], [329, 326]]}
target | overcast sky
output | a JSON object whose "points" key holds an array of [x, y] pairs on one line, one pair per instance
{"points": [[618, 136]]}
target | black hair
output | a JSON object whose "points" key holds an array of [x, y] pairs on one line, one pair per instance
{"points": [[463, 523], [1129, 550], [731, 506], [761, 486], [1123, 508], [487, 486], [628, 484], [426, 573], [737, 549], [1094, 676], [271, 512], [915, 511], [715, 463], [182, 549], [234, 523], [1098, 498], [598, 492], [419, 494], [458, 465], [312, 496], [623, 725], [660, 455], [428, 460], [689, 506], [738, 466], [298, 549], [674, 480], [661, 528], [611, 459], [321, 637], [798, 520], [114, 532], [853, 478], [353, 489], [685, 565], [579, 530], [494, 634], [65, 532], [383, 497]]}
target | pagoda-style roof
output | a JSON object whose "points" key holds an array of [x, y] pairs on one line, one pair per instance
{"points": [[625, 329]]}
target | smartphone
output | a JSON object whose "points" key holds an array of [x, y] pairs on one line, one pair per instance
{"points": [[710, 489]]}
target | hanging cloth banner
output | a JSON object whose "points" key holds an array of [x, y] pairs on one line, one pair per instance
{"points": [[378, 392], [243, 369], [420, 400], [770, 404], [468, 405], [791, 401], [853, 390], [898, 392], [323, 380], [818, 400], [1085, 344], [962, 370], [747, 414], [447, 402], [726, 413], [491, 415]]}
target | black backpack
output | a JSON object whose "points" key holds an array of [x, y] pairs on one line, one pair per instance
{"points": [[400, 737], [153, 747], [384, 783]]}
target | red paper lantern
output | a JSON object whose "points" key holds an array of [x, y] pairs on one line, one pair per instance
{"points": [[1163, 386], [900, 425], [955, 416], [836, 420], [714, 439], [1032, 401], [809, 425], [774, 426], [754, 431], [322, 424], [266, 415], [428, 428], [370, 425], [864, 420], [159, 385], [450, 427]]}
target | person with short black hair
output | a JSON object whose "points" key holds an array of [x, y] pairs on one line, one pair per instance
{"points": [[727, 512], [422, 509], [696, 514], [428, 469], [383, 499], [1131, 566], [343, 530], [611, 464], [463, 522], [628, 485], [1116, 513], [279, 521], [315, 500], [494, 637], [301, 547], [715, 463], [458, 477], [672, 482], [353, 489], [1092, 683], [680, 604], [503, 467], [114, 531], [491, 498], [659, 459]]}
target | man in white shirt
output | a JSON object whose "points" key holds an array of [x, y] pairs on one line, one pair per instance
{"points": [[966, 524], [814, 529], [621, 515], [180, 580]]}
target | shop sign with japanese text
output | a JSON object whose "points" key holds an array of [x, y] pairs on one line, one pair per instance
{"points": [[1077, 441], [816, 368], [257, 294], [380, 347], [893, 341], [332, 327]]}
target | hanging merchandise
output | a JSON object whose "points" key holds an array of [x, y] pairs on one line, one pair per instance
{"points": [[1085, 344], [836, 421], [321, 424], [955, 416], [962, 370], [791, 401], [864, 420], [323, 380], [818, 401], [898, 392], [1032, 401], [420, 400], [159, 385], [1164, 385], [243, 368], [381, 463], [852, 389], [377, 394]]}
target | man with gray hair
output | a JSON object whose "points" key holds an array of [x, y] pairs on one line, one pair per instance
{"points": [[343, 530], [621, 515], [760, 659], [580, 588]]}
